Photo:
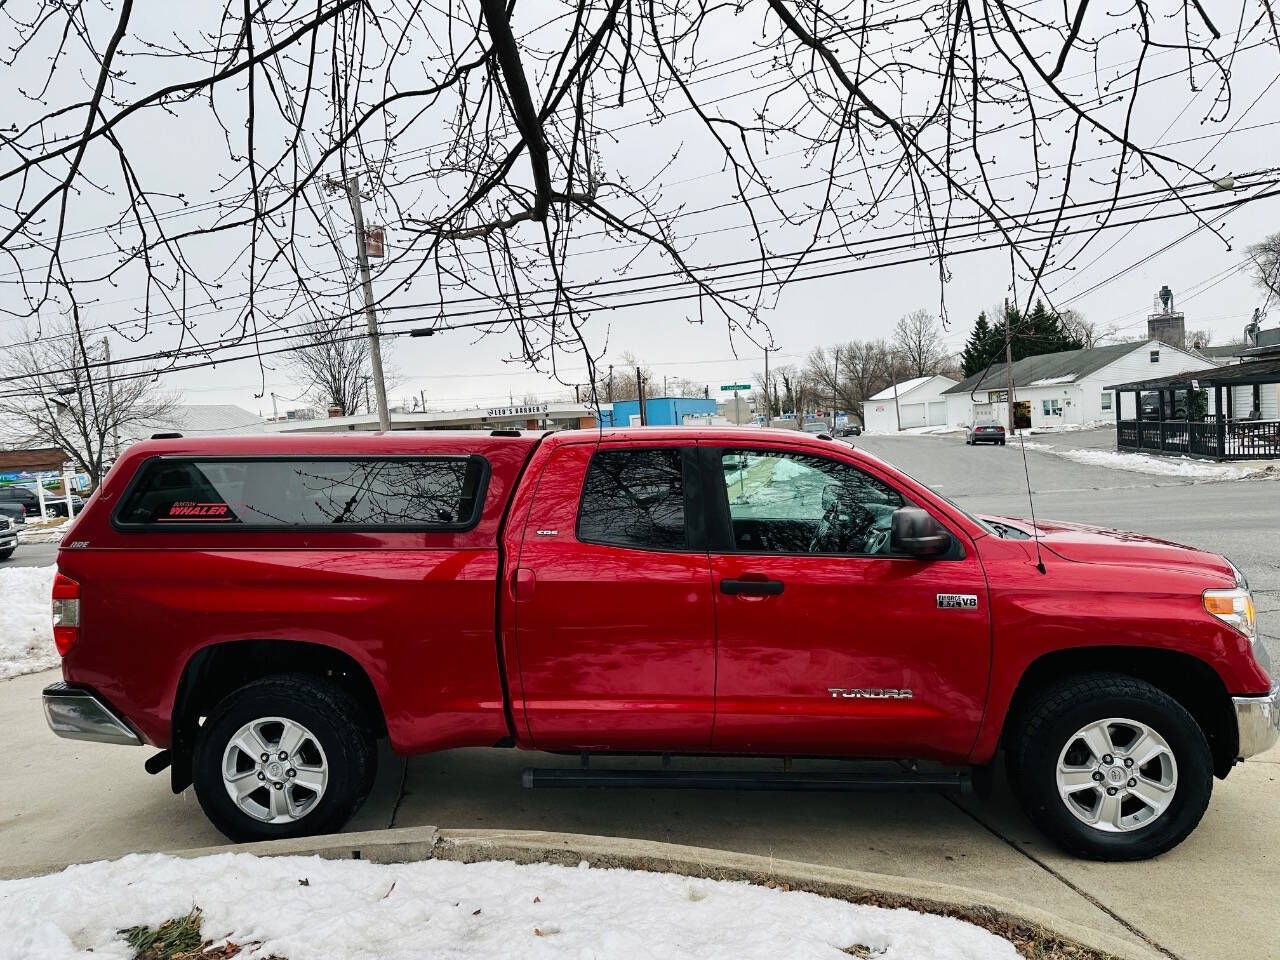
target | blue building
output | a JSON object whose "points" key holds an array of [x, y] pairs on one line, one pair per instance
{"points": [[659, 411]]}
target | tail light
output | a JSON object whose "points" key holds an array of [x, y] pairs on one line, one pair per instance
{"points": [[66, 613]]}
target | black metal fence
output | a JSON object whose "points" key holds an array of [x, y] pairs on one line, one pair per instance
{"points": [[1214, 437]]}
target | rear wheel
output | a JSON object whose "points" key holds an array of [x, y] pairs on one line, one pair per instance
{"points": [[286, 756], [1111, 767], [1002, 443]]}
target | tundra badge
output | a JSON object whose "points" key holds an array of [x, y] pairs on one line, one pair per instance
{"points": [[874, 693], [957, 601]]}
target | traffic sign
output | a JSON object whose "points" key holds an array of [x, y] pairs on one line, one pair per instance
{"points": [[737, 386]]}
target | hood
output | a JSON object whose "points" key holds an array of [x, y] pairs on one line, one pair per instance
{"points": [[1082, 543]]}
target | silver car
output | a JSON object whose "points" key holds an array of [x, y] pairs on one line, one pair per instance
{"points": [[985, 431]]}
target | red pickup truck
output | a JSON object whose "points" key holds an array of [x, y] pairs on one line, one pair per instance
{"points": [[264, 608]]}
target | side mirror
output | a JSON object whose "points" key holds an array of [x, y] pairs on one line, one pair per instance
{"points": [[913, 531]]}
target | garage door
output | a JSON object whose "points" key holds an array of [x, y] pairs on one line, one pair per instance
{"points": [[937, 413], [913, 415]]}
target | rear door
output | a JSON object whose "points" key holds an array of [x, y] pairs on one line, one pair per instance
{"points": [[614, 616], [828, 643]]}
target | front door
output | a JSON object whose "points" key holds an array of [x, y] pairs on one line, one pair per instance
{"points": [[828, 642], [615, 620]]}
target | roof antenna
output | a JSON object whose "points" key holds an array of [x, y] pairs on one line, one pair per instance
{"points": [[1035, 530]]}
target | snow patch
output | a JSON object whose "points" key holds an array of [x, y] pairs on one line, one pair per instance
{"points": [[26, 625], [1051, 381], [43, 531], [305, 908], [1160, 466]]}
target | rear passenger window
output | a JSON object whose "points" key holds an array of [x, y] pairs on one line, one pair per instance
{"points": [[634, 498], [423, 493]]}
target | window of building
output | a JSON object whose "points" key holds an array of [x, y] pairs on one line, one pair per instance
{"points": [[1106, 400], [1051, 408], [798, 503], [416, 493], [634, 498], [1155, 356]]}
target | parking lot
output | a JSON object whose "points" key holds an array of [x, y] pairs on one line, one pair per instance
{"points": [[1210, 898]]}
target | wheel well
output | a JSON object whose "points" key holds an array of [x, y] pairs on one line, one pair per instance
{"points": [[1192, 682], [215, 671]]}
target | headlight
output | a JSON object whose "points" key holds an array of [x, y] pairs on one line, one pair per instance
{"points": [[1233, 607]]}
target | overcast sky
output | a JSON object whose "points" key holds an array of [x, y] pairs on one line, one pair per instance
{"points": [[459, 369]]}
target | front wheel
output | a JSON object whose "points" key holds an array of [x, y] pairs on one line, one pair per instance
{"points": [[1111, 767], [7, 553], [286, 756]]}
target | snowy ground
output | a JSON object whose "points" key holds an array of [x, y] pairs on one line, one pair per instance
{"points": [[301, 908], [43, 531], [26, 630], [1186, 467]]}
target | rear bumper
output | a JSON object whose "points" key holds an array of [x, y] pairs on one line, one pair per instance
{"points": [[78, 714], [1258, 721]]}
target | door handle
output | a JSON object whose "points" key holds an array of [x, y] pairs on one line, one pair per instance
{"points": [[751, 585]]}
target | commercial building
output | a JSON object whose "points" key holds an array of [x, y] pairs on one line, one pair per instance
{"points": [[559, 415], [659, 412], [918, 402], [1071, 387]]}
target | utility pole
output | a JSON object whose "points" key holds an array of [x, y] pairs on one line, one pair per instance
{"points": [[768, 394], [275, 414], [835, 390], [611, 385], [644, 416], [576, 398], [111, 403], [1008, 361], [893, 375], [352, 189]]}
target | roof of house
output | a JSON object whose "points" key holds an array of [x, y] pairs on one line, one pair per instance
{"points": [[1249, 371], [203, 419], [1047, 369], [906, 386]]}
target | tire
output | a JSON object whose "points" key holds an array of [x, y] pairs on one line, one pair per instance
{"points": [[1002, 443], [7, 553], [337, 755], [1179, 779]]}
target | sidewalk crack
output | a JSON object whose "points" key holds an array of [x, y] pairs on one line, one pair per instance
{"points": [[1074, 888]]}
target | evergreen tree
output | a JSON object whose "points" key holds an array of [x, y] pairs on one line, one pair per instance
{"points": [[980, 348]]}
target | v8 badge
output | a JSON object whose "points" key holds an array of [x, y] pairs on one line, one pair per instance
{"points": [[957, 601]]}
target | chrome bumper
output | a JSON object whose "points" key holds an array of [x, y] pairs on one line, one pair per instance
{"points": [[77, 714], [1258, 720]]}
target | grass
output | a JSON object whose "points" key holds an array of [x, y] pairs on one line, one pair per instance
{"points": [[177, 939]]}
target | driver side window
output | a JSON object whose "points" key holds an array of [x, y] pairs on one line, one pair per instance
{"points": [[783, 502]]}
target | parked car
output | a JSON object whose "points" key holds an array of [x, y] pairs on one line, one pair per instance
{"points": [[851, 430], [8, 537], [14, 510], [263, 608], [54, 505], [985, 431]]}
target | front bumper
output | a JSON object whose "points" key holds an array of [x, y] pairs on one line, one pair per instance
{"points": [[78, 714], [1258, 721]]}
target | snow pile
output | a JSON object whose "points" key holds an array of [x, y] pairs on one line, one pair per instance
{"points": [[1073, 427], [304, 908], [26, 627], [1161, 466]]}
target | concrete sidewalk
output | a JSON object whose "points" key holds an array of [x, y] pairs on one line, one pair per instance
{"points": [[1210, 899]]}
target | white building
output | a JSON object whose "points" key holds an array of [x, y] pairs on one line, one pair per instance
{"points": [[920, 403], [1054, 389]]}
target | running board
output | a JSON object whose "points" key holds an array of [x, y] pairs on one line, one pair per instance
{"points": [[535, 777]]}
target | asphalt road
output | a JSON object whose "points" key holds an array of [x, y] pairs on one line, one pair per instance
{"points": [[1238, 518], [32, 555]]}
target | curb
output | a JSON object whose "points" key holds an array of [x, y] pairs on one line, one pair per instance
{"points": [[1017, 921]]}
